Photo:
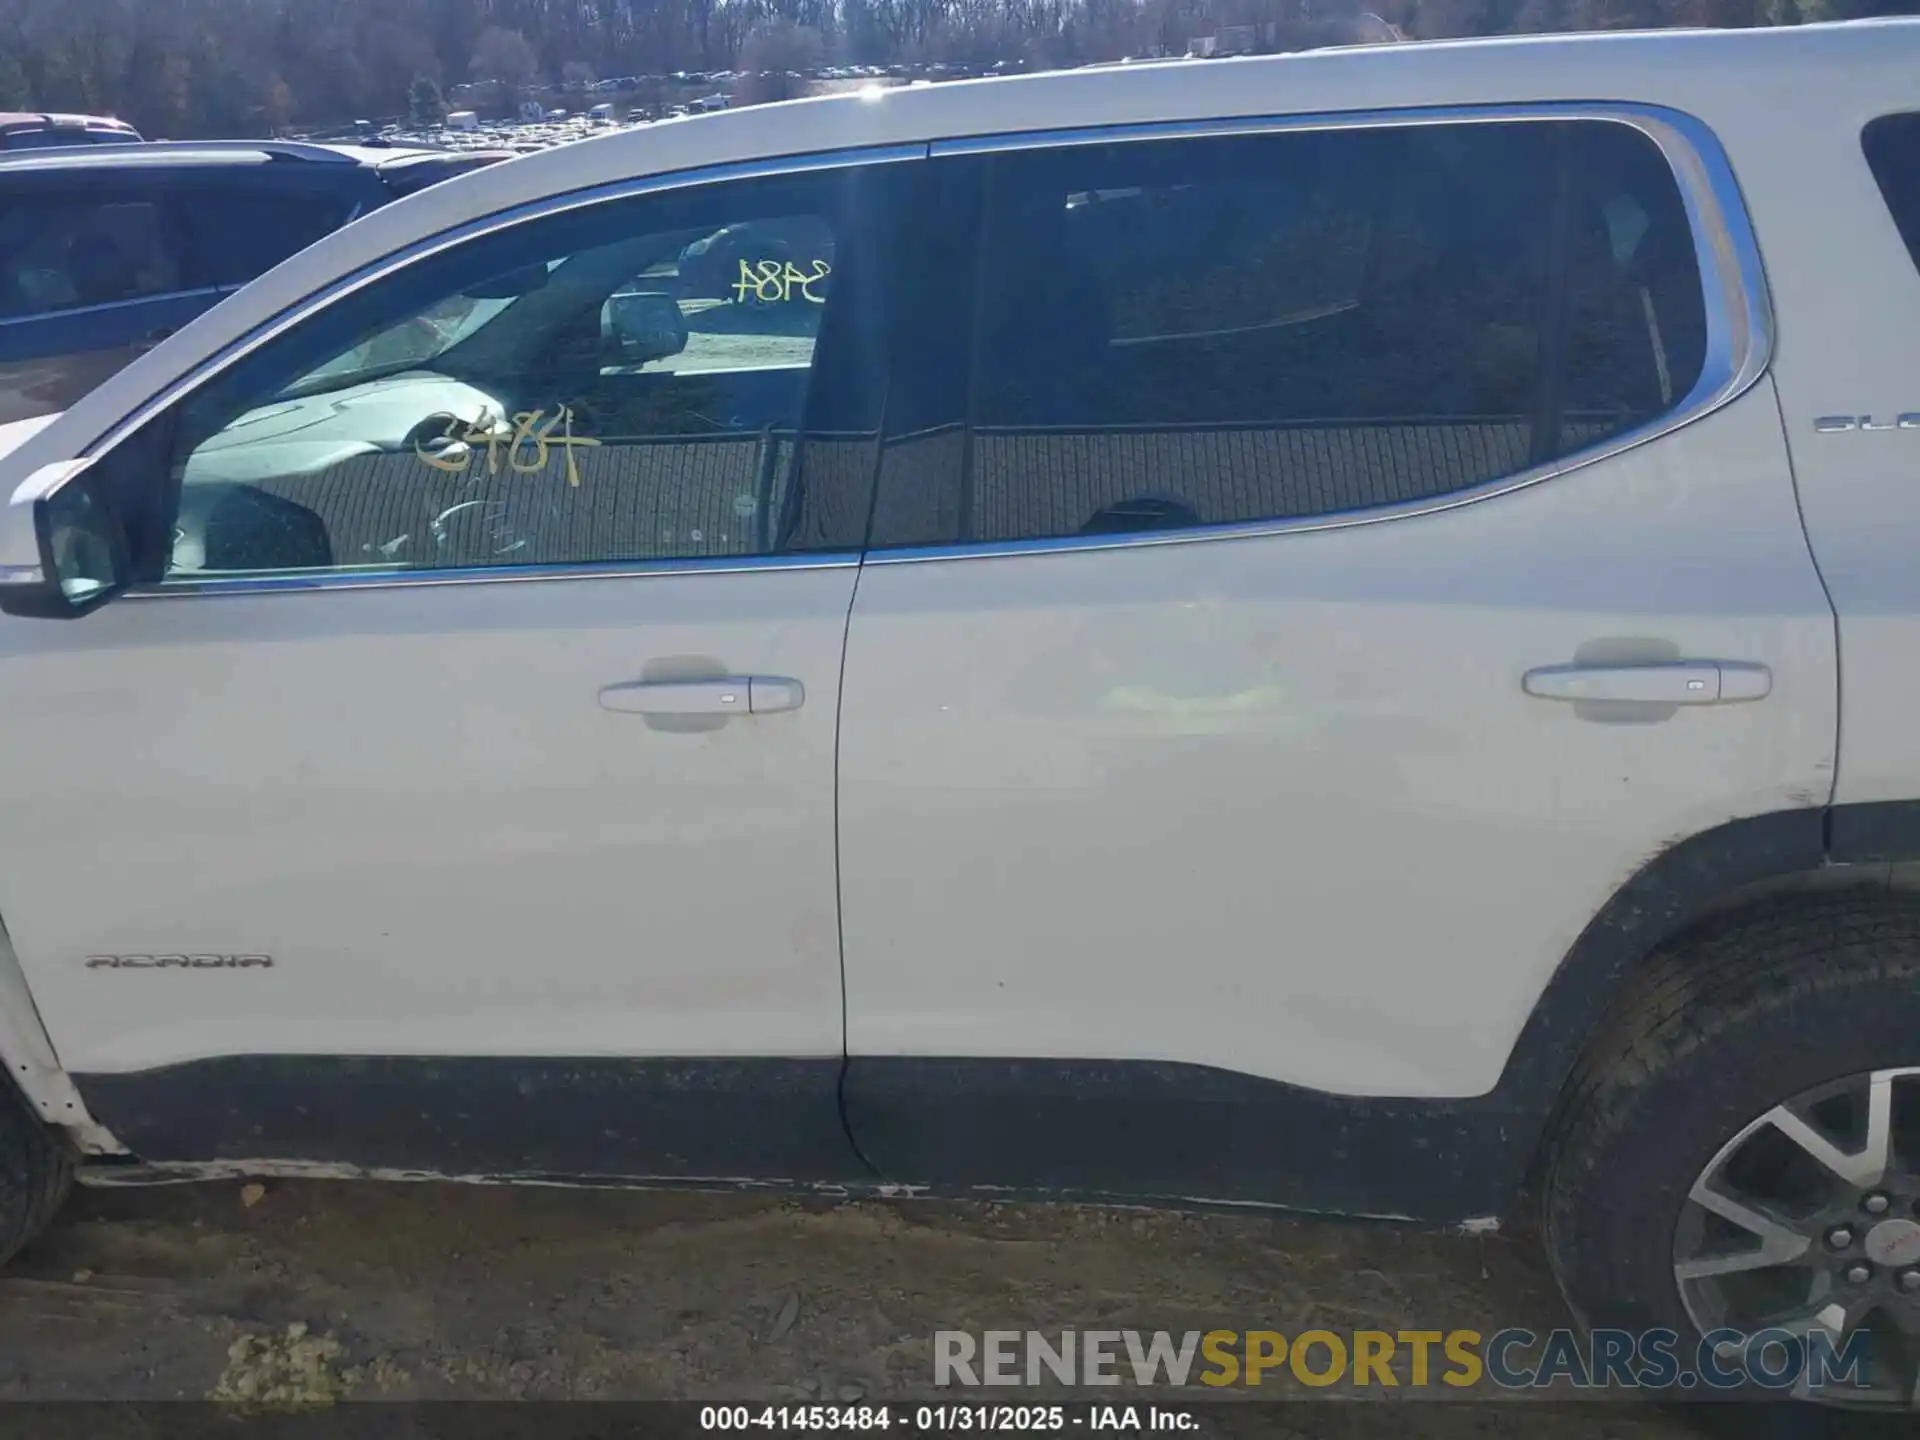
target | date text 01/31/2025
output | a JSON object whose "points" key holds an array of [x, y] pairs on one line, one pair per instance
{"points": [[989, 1419]]}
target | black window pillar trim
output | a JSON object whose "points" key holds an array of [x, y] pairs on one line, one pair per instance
{"points": [[1550, 337]]}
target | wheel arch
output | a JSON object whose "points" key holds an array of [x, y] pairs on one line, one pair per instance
{"points": [[32, 1065], [1707, 876]]}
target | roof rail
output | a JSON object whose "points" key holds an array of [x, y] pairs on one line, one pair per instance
{"points": [[278, 149], [275, 149]]}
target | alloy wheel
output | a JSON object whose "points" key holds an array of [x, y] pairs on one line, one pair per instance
{"points": [[1809, 1220]]}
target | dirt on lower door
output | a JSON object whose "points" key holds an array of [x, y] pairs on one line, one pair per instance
{"points": [[309, 1292]]}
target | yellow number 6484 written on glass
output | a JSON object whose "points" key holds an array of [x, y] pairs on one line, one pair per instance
{"points": [[526, 446]]}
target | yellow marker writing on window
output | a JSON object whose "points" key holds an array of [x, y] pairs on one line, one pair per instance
{"points": [[774, 282], [452, 450], [529, 430]]}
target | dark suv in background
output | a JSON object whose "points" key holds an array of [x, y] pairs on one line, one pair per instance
{"points": [[106, 250], [39, 131]]}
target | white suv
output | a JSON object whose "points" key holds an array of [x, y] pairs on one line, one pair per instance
{"points": [[1259, 632]]}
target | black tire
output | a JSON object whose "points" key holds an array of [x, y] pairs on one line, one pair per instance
{"points": [[1737, 1017], [36, 1172]]}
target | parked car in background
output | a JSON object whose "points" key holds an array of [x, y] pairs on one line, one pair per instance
{"points": [[104, 252], [1263, 633], [23, 131]]}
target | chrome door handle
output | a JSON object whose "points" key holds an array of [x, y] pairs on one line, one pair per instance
{"points": [[1676, 682], [728, 695]]}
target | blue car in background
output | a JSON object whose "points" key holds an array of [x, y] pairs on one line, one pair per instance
{"points": [[105, 250]]}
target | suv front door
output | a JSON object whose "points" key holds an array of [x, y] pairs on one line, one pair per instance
{"points": [[458, 793]]}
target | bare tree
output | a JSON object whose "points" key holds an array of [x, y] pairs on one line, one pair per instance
{"points": [[212, 67], [505, 57], [775, 57], [15, 92]]}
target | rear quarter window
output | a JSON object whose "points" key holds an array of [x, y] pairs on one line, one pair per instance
{"points": [[1892, 144]]}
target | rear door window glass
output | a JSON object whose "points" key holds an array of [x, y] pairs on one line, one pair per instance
{"points": [[1257, 327], [1634, 316]]}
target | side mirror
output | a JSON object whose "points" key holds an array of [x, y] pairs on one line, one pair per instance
{"points": [[646, 325], [63, 552]]}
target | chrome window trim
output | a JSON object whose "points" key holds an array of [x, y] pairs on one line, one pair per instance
{"points": [[353, 282], [490, 575], [1739, 342]]}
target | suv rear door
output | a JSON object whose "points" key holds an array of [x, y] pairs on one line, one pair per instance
{"points": [[1293, 626], [90, 276]]}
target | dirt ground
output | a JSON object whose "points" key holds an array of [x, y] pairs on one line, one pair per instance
{"points": [[317, 1291]]}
